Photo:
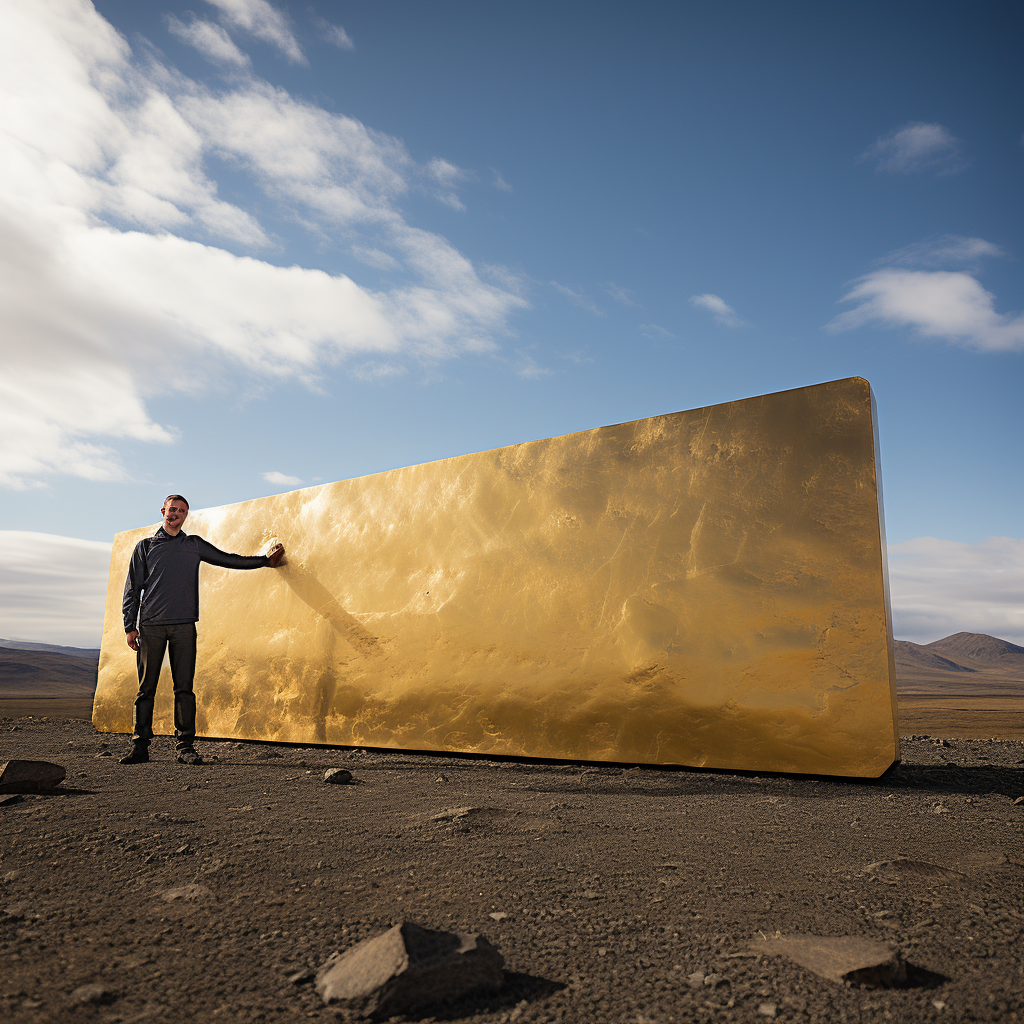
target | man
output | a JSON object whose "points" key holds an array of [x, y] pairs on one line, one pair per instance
{"points": [[161, 608]]}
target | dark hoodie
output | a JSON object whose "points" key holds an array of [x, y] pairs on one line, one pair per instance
{"points": [[163, 577]]}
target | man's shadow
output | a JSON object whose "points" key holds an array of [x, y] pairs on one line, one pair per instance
{"points": [[332, 623]]}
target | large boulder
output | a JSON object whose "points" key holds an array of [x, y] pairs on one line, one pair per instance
{"points": [[30, 776], [408, 968]]}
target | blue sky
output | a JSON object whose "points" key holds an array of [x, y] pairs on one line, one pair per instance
{"points": [[243, 240]]}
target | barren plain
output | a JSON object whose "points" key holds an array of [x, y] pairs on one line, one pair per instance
{"points": [[161, 892]]}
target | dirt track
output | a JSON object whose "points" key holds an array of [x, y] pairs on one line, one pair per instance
{"points": [[618, 885]]}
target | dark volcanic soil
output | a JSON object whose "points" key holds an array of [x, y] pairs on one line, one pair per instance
{"points": [[619, 887]]}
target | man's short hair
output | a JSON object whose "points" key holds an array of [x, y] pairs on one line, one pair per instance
{"points": [[177, 497]]}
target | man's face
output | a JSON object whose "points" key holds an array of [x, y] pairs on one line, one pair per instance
{"points": [[175, 513]]}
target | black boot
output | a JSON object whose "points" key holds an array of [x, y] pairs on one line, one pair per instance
{"points": [[138, 753]]}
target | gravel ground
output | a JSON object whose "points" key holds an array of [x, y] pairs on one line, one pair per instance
{"points": [[615, 894]]}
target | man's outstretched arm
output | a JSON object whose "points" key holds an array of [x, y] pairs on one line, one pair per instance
{"points": [[214, 556]]}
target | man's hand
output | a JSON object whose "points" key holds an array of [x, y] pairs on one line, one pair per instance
{"points": [[133, 639], [275, 556]]}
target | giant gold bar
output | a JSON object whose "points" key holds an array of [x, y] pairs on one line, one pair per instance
{"points": [[705, 588]]}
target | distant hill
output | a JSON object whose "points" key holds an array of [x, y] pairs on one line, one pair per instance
{"points": [[46, 670], [90, 653], [978, 647], [970, 665], [911, 656]]}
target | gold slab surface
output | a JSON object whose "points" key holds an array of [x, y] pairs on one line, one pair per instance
{"points": [[704, 588]]}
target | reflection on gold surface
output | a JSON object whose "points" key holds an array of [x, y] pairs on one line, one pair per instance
{"points": [[705, 588]]}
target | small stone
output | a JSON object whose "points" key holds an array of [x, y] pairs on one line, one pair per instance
{"points": [[30, 776], [301, 977], [939, 808], [338, 776], [105, 753], [407, 968], [696, 979], [589, 894], [498, 915], [713, 980], [193, 892], [95, 993], [766, 1009], [602, 951], [938, 1004]]}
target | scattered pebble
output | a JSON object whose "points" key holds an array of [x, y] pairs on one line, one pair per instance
{"points": [[767, 1009], [96, 993], [498, 915], [192, 892], [338, 776]]}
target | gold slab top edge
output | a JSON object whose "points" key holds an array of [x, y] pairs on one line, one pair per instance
{"points": [[575, 433]]}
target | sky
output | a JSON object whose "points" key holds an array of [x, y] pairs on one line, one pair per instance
{"points": [[249, 246]]}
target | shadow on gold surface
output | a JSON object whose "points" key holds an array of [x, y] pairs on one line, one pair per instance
{"points": [[705, 588]]}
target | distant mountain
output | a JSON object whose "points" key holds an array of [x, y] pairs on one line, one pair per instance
{"points": [[911, 656], [47, 672], [91, 653], [964, 666], [977, 646]]}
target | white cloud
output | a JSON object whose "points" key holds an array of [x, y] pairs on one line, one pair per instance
{"points": [[915, 147], [655, 333], [209, 39], [500, 183], [939, 587], [528, 368], [578, 299], [722, 312], [53, 589], [623, 296], [103, 168], [951, 305], [334, 34], [264, 21], [281, 479], [376, 370], [947, 251]]}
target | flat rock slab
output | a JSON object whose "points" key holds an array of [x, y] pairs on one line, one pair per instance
{"points": [[843, 958], [906, 868], [30, 776], [408, 968]]}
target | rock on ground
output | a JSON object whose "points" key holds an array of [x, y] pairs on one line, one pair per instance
{"points": [[409, 968], [30, 776]]}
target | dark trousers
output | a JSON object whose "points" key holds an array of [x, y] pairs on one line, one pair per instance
{"points": [[154, 640]]}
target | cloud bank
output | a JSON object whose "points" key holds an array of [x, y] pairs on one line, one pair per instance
{"points": [[939, 587], [53, 589], [124, 274]]}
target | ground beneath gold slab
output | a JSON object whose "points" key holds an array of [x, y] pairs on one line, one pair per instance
{"points": [[615, 895]]}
